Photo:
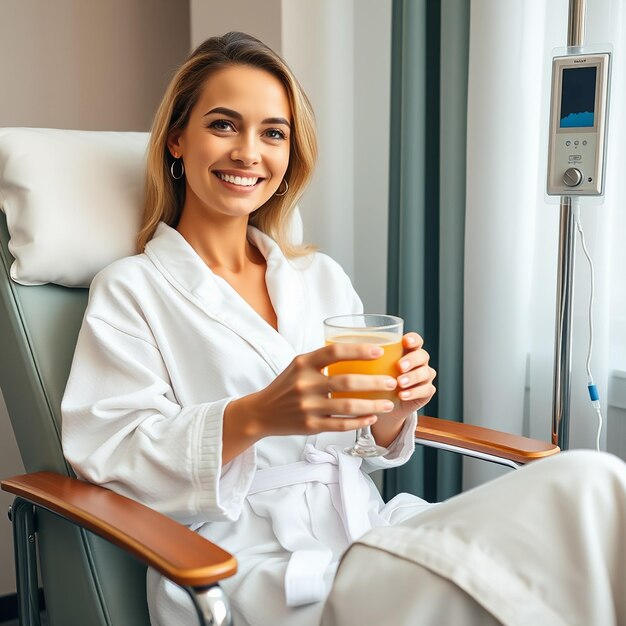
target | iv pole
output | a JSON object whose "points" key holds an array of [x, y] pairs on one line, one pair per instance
{"points": [[565, 273]]}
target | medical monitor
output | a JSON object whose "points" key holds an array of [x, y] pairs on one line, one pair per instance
{"points": [[578, 116]]}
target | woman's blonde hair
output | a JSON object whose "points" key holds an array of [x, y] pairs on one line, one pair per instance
{"points": [[165, 196]]}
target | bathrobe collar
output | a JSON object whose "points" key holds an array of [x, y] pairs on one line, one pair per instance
{"points": [[181, 266]]}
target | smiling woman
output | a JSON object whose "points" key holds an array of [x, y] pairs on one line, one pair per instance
{"points": [[235, 147], [210, 402], [236, 103]]}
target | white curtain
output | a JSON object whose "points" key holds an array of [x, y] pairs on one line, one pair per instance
{"points": [[340, 50], [512, 227]]}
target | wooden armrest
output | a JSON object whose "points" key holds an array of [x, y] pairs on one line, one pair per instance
{"points": [[476, 438], [162, 543]]}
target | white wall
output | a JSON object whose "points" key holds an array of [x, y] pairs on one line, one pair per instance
{"points": [[83, 64], [318, 43], [88, 64], [372, 87], [260, 19], [341, 53]]}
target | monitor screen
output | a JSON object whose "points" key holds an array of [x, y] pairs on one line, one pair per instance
{"points": [[578, 97]]}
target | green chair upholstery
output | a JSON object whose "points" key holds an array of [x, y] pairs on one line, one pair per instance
{"points": [[87, 581]]}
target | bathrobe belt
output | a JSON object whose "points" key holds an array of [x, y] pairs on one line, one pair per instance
{"points": [[304, 577]]}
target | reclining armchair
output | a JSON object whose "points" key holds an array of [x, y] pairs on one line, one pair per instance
{"points": [[58, 188]]}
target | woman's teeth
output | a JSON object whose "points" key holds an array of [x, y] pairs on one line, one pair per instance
{"points": [[238, 180]]}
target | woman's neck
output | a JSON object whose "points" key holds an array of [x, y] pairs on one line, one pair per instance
{"points": [[222, 244]]}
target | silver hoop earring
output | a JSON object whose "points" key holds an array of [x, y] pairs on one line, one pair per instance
{"points": [[182, 169], [280, 195]]}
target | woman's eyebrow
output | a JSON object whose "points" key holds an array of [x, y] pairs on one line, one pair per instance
{"points": [[237, 116], [276, 120], [224, 111]]}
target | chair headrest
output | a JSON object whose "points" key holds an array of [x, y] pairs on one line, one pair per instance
{"points": [[73, 201]]}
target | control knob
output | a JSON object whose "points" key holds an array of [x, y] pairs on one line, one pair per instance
{"points": [[573, 177]]}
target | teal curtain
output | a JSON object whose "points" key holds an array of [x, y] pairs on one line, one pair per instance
{"points": [[430, 43]]}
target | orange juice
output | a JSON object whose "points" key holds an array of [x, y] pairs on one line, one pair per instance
{"points": [[385, 365]]}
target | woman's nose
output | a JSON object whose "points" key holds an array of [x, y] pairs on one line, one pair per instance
{"points": [[246, 151]]}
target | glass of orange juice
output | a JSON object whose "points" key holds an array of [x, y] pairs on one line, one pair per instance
{"points": [[382, 330]]}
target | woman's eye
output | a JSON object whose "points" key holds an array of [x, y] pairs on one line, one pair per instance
{"points": [[222, 125], [275, 133]]}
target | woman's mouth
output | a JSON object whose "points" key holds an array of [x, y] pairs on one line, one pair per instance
{"points": [[238, 181]]}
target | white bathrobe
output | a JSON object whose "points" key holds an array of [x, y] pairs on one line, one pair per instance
{"points": [[165, 345]]}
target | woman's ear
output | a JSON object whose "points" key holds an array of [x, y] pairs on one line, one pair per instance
{"points": [[173, 144]]}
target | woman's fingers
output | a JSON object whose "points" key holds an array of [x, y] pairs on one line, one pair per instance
{"points": [[360, 382], [348, 406], [342, 424], [419, 392], [316, 391], [319, 359], [412, 341], [413, 359], [416, 377], [358, 406], [314, 407], [415, 383]]}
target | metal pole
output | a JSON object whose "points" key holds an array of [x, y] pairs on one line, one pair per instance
{"points": [[565, 274], [563, 337], [576, 23]]}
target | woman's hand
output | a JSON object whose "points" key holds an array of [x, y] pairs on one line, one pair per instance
{"points": [[415, 382], [297, 402], [414, 389]]}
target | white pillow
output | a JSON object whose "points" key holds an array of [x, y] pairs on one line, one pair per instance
{"points": [[73, 201]]}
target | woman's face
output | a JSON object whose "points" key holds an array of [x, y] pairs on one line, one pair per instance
{"points": [[235, 146]]}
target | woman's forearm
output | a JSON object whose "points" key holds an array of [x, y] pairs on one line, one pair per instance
{"points": [[239, 431], [386, 429]]}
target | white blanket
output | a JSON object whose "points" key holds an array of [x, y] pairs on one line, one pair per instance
{"points": [[544, 545]]}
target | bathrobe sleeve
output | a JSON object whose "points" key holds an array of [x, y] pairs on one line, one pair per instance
{"points": [[399, 451], [123, 427]]}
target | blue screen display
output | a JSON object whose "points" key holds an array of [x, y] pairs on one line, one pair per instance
{"points": [[578, 97]]}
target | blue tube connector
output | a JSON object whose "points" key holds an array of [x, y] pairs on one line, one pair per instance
{"points": [[593, 394]]}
